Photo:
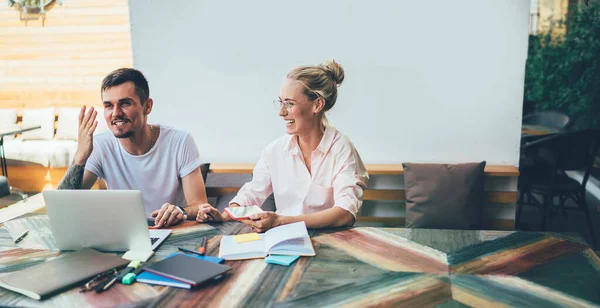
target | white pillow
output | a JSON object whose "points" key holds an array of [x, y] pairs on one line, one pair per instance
{"points": [[102, 127], [7, 117], [68, 122], [43, 117]]}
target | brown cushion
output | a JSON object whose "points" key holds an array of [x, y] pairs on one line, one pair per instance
{"points": [[444, 196]]}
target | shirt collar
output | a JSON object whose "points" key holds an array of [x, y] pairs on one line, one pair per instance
{"points": [[292, 145], [293, 148], [327, 139]]}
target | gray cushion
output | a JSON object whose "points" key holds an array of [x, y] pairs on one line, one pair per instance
{"points": [[444, 196]]}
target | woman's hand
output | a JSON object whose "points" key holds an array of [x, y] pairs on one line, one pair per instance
{"points": [[207, 213], [264, 221]]}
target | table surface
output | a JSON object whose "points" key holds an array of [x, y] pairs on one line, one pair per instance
{"points": [[353, 267], [33, 204], [13, 129]]}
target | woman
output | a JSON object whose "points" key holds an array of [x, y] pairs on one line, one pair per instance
{"points": [[314, 171]]}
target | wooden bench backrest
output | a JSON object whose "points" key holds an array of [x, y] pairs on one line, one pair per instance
{"points": [[499, 197], [375, 169]]}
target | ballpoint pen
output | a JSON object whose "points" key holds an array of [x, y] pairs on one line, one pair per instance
{"points": [[106, 285], [202, 248], [100, 279], [18, 239], [190, 251]]}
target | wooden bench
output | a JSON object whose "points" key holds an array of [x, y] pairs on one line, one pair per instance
{"points": [[33, 179], [493, 196]]}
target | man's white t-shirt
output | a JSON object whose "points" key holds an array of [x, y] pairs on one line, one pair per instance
{"points": [[157, 174]]}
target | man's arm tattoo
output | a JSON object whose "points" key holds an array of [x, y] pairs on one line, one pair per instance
{"points": [[73, 178]]}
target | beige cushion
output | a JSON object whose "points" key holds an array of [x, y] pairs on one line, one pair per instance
{"points": [[12, 149], [8, 116], [68, 123], [43, 117], [443, 196], [50, 153], [68, 119], [102, 127]]}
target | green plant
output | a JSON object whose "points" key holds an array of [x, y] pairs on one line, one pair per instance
{"points": [[29, 3], [563, 72]]}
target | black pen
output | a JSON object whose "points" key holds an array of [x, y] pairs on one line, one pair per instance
{"points": [[202, 248], [105, 286], [18, 239], [190, 251]]}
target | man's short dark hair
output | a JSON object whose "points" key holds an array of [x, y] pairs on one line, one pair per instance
{"points": [[123, 75]]}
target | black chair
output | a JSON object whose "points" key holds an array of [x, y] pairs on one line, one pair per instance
{"points": [[551, 119], [6, 191], [547, 120], [547, 179]]}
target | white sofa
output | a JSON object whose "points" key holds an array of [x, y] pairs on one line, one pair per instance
{"points": [[47, 146]]}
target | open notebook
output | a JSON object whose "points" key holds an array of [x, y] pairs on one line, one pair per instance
{"points": [[289, 239]]}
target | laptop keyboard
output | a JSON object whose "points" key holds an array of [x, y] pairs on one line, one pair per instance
{"points": [[153, 240]]}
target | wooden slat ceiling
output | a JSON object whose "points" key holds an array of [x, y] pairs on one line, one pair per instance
{"points": [[62, 63]]}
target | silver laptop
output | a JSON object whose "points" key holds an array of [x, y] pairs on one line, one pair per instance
{"points": [[108, 220]]}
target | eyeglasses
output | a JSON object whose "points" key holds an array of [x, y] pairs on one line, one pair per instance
{"points": [[285, 104]]}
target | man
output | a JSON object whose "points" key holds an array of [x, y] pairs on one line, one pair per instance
{"points": [[162, 162]]}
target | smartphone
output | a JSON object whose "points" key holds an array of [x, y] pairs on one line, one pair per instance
{"points": [[151, 221], [243, 212]]}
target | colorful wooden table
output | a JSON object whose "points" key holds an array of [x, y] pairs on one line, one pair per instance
{"points": [[361, 266]]}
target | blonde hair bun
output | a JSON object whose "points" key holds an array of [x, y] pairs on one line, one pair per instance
{"points": [[320, 80], [335, 71]]}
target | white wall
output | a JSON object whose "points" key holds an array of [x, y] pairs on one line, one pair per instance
{"points": [[426, 81]]}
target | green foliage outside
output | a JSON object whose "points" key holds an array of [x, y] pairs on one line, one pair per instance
{"points": [[29, 3], [563, 72]]}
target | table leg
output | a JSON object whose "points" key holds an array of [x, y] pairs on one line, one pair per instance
{"points": [[3, 158]]}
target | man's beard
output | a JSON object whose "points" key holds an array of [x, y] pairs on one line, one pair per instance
{"points": [[124, 135]]}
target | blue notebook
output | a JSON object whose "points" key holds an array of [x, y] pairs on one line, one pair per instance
{"points": [[281, 260], [151, 278], [205, 258]]}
